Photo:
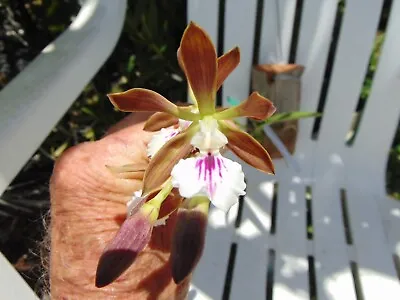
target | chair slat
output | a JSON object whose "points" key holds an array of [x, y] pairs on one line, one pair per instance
{"points": [[276, 33], [333, 275], [291, 269], [240, 18], [318, 18], [390, 213], [12, 285], [351, 61], [34, 101], [382, 111], [376, 267], [327, 165], [253, 239], [376, 130], [205, 13]]}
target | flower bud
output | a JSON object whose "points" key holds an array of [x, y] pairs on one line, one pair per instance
{"points": [[187, 242], [121, 252]]}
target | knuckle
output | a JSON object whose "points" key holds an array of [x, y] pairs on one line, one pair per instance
{"points": [[68, 162]]}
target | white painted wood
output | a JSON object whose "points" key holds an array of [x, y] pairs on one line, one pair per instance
{"points": [[333, 275], [253, 238], [286, 155], [383, 107], [377, 128], [240, 17], [276, 31], [36, 99], [390, 213], [318, 18], [351, 61], [12, 285], [205, 13], [291, 266], [326, 164], [376, 269]]}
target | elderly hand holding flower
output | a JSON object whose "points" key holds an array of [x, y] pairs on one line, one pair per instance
{"points": [[186, 170]]}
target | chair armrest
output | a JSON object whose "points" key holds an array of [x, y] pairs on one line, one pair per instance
{"points": [[38, 97], [12, 285]]}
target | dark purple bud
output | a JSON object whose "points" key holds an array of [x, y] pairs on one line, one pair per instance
{"points": [[187, 242], [121, 252]]}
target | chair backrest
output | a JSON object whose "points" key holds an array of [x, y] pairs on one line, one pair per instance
{"points": [[272, 24], [35, 100], [330, 167]]}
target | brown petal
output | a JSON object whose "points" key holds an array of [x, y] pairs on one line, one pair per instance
{"points": [[160, 120], [127, 168], [142, 100], [199, 61], [226, 64], [129, 171], [187, 242], [256, 107], [160, 166], [247, 148], [122, 251], [170, 204]]}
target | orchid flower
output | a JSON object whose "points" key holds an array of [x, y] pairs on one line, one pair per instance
{"points": [[164, 135], [192, 155], [185, 156]]}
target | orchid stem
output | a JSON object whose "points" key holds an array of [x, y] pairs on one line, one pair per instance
{"points": [[187, 115], [152, 207], [200, 203], [162, 195]]}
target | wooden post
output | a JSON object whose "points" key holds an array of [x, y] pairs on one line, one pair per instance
{"points": [[281, 84]]}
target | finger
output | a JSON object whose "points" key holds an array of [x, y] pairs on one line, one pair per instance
{"points": [[132, 124]]}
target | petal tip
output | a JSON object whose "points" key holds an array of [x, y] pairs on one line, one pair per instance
{"points": [[122, 251], [111, 97], [188, 243], [236, 51]]}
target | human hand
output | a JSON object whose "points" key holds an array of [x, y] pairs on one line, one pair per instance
{"points": [[88, 205]]}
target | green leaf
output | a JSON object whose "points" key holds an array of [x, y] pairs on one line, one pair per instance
{"points": [[131, 63], [60, 149], [89, 134], [290, 116], [88, 111]]}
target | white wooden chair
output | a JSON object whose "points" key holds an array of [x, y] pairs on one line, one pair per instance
{"points": [[38, 97], [266, 254]]}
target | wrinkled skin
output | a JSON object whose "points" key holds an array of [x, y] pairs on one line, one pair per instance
{"points": [[88, 204]]}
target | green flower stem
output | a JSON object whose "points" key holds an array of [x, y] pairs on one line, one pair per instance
{"points": [[200, 203], [188, 115], [152, 207], [162, 195]]}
